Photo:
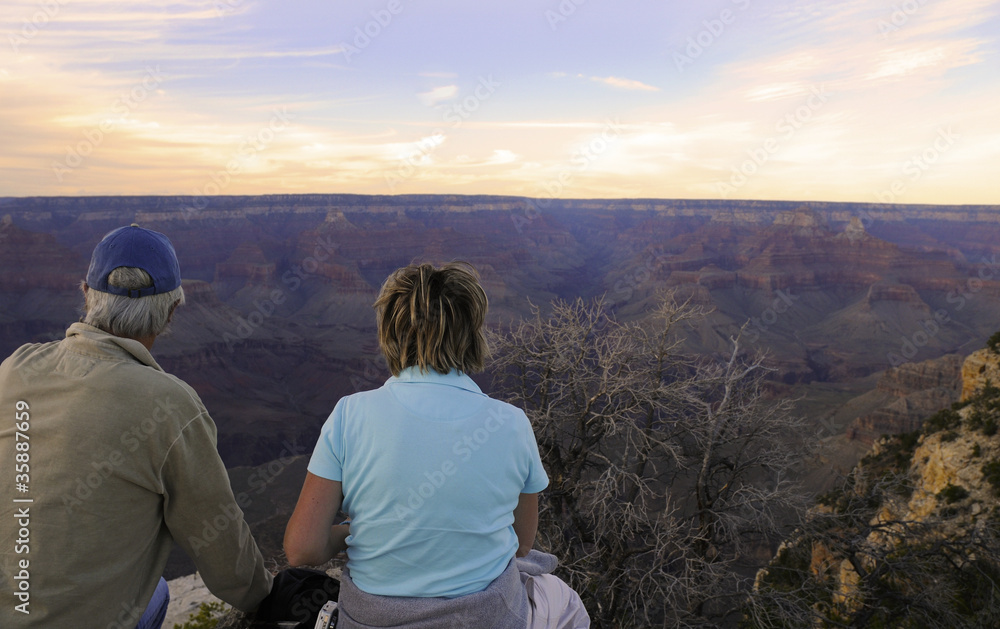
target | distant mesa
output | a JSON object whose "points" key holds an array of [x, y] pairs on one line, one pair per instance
{"points": [[855, 230], [734, 216], [338, 219], [246, 263], [806, 219]]}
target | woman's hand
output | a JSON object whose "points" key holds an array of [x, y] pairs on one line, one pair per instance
{"points": [[338, 536]]}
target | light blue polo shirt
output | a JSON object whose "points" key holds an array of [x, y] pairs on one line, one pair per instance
{"points": [[431, 470]]}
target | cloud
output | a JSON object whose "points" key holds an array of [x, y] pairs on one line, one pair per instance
{"points": [[776, 90], [625, 84], [890, 90], [438, 94], [903, 62], [503, 156]]}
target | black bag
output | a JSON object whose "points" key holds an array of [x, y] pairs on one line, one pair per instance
{"points": [[298, 595]]}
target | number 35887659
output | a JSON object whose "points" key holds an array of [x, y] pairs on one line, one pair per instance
{"points": [[22, 419]]}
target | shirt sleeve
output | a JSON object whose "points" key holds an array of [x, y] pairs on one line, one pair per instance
{"points": [[328, 457], [537, 479], [201, 512]]}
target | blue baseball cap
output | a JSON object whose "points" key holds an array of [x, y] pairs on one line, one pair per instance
{"points": [[135, 247]]}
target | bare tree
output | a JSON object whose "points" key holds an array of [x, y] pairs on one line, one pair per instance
{"points": [[669, 473]]}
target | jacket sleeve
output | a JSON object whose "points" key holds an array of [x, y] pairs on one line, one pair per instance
{"points": [[204, 519]]}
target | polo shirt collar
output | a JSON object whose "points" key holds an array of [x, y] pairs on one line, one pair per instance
{"points": [[454, 378]]}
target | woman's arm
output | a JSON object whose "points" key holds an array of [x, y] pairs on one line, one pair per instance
{"points": [[311, 538], [526, 523]]}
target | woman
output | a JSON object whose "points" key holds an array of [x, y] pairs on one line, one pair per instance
{"points": [[440, 481]]}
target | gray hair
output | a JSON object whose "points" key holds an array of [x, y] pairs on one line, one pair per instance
{"points": [[130, 317]]}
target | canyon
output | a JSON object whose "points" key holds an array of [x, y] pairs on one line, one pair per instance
{"points": [[865, 311]]}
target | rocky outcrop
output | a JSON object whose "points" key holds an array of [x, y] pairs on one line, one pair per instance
{"points": [[951, 454], [942, 460], [978, 369], [913, 529], [913, 392], [187, 594]]}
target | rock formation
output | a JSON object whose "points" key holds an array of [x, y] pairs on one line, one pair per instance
{"points": [[978, 369], [911, 536], [910, 394]]}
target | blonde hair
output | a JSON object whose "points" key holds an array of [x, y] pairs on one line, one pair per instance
{"points": [[130, 317], [433, 319]]}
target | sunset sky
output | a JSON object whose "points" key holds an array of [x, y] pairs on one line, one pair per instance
{"points": [[861, 100]]}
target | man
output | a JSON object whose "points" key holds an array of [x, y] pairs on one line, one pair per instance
{"points": [[105, 460]]}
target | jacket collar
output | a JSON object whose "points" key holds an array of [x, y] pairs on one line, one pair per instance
{"points": [[454, 378], [95, 342]]}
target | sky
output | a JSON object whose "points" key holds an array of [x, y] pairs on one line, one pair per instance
{"points": [[855, 100]]}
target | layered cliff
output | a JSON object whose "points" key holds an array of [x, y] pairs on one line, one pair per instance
{"points": [[912, 537], [909, 394], [32, 261]]}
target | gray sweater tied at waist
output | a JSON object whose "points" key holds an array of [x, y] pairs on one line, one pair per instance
{"points": [[502, 605]]}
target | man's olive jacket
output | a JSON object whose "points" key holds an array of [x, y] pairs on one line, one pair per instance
{"points": [[105, 459]]}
